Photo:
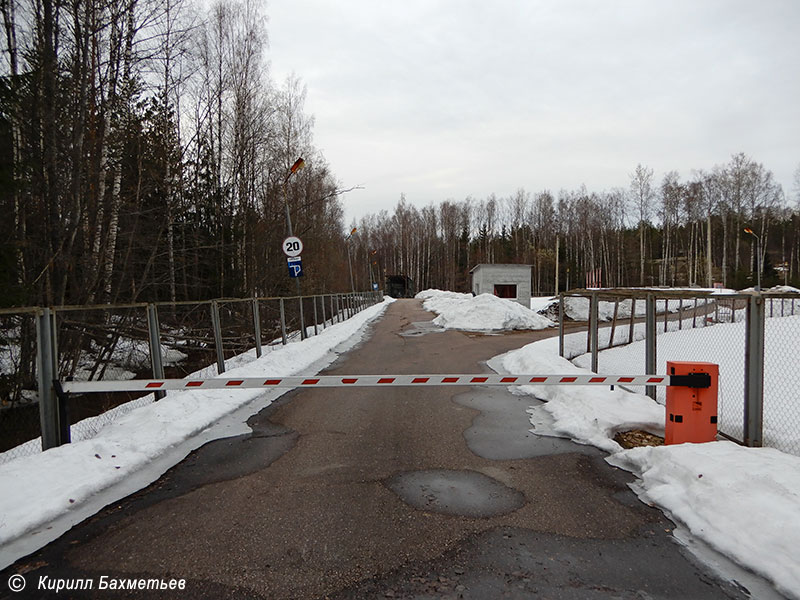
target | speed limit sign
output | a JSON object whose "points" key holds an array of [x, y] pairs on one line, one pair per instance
{"points": [[292, 246]]}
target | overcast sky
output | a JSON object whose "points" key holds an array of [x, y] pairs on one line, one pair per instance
{"points": [[454, 98]]}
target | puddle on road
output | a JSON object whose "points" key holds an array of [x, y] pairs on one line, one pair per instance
{"points": [[418, 328], [502, 429], [459, 493]]}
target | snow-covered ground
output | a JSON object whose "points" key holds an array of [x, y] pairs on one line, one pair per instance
{"points": [[484, 312], [45, 494], [741, 502]]}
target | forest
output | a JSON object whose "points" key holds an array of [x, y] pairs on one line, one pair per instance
{"points": [[671, 232], [145, 155]]}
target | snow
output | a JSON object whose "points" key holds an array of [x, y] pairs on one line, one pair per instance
{"points": [[484, 312], [742, 502], [49, 485]]}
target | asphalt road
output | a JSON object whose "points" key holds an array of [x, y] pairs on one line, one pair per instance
{"points": [[390, 493]]}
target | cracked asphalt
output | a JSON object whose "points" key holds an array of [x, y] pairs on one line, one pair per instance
{"points": [[392, 493]]}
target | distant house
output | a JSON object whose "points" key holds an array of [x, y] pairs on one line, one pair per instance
{"points": [[505, 281], [399, 286]]}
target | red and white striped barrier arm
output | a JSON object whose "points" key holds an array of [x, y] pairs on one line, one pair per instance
{"points": [[326, 381]]}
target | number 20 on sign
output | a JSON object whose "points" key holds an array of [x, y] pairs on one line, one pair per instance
{"points": [[292, 246]]}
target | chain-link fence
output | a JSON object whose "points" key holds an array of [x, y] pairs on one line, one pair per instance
{"points": [[135, 341], [782, 374], [752, 337]]}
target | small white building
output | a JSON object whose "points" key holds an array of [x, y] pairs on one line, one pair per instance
{"points": [[504, 281]]}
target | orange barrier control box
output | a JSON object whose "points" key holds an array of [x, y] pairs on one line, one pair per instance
{"points": [[691, 411]]}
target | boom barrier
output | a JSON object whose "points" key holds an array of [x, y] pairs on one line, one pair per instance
{"points": [[693, 380]]}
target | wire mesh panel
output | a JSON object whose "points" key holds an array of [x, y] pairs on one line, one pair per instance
{"points": [[269, 310], [236, 321], [187, 338], [102, 343], [19, 401], [292, 312], [782, 374], [308, 316]]}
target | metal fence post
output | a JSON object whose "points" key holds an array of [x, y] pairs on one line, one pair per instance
{"points": [[633, 318], [754, 372], [217, 336], [324, 318], [561, 317], [314, 302], [594, 330], [64, 435], [302, 320], [154, 338], [257, 327], [283, 324], [650, 342], [333, 311], [45, 373]]}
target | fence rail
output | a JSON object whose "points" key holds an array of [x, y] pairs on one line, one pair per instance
{"points": [[138, 340], [752, 336]]}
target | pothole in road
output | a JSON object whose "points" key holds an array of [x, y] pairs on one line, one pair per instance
{"points": [[460, 493]]}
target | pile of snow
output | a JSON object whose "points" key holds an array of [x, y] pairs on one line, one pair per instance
{"points": [[65, 481], [742, 502], [439, 301], [480, 313]]}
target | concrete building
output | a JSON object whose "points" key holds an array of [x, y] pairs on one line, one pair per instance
{"points": [[505, 281]]}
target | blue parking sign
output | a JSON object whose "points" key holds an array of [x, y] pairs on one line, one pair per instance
{"points": [[295, 266]]}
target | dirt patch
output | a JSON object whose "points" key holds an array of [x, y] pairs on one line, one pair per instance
{"points": [[637, 438]]}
